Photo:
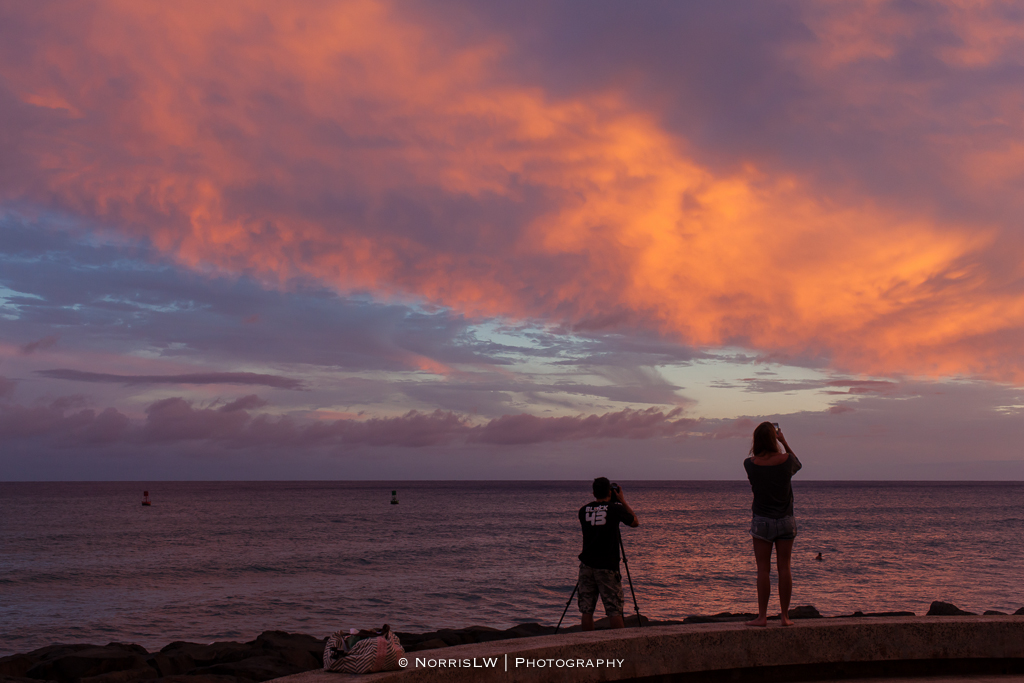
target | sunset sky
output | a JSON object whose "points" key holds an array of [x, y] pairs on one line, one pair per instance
{"points": [[532, 240]]}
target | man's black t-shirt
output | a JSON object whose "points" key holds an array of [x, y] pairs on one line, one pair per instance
{"points": [[600, 522]]}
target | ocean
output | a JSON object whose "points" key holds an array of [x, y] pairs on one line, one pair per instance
{"points": [[86, 562]]}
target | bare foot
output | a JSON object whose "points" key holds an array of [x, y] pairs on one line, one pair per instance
{"points": [[760, 621], [786, 621]]}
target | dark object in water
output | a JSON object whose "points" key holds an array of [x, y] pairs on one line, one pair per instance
{"points": [[394, 497], [145, 498]]}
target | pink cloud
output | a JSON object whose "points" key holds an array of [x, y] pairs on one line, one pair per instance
{"points": [[375, 150]]}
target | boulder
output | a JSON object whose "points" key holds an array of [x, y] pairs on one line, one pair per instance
{"points": [[529, 630], [171, 664], [221, 652], [17, 679], [450, 636], [127, 676], [426, 645], [804, 612], [945, 609], [69, 663], [263, 668], [281, 641], [15, 665], [721, 617], [993, 613], [1019, 612]]}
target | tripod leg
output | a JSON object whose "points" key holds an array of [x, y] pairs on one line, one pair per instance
{"points": [[568, 602], [639, 619]]}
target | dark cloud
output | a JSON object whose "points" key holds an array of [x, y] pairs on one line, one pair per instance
{"points": [[872, 386], [414, 429], [245, 403], [39, 344], [174, 419], [252, 378], [61, 424], [625, 424]]}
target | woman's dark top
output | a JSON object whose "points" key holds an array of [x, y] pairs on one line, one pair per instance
{"points": [[773, 489]]}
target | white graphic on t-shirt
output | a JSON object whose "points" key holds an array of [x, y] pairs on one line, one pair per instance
{"points": [[597, 516]]}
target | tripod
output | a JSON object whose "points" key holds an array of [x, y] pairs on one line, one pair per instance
{"points": [[639, 618]]}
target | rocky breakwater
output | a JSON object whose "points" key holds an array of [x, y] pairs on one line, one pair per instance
{"points": [[271, 655], [275, 654]]}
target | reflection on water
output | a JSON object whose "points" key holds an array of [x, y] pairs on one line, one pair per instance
{"points": [[86, 562]]}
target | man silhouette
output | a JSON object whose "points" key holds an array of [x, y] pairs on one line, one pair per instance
{"points": [[599, 561]]}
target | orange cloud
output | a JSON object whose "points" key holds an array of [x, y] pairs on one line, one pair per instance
{"points": [[349, 143]]}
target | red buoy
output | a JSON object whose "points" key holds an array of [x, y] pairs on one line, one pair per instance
{"points": [[145, 498]]}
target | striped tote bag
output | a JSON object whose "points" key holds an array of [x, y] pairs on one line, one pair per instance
{"points": [[365, 652]]}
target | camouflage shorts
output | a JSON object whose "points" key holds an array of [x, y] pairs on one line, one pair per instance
{"points": [[607, 583]]}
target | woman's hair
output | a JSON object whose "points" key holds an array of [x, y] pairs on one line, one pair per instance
{"points": [[764, 439]]}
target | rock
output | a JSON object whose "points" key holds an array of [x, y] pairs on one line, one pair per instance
{"points": [[889, 614], [281, 641], [16, 665], [483, 634], [804, 612], [171, 664], [262, 668], [450, 636], [945, 609], [222, 652], [426, 645], [69, 663], [529, 630], [127, 676], [1019, 612], [414, 642], [721, 617], [993, 613]]}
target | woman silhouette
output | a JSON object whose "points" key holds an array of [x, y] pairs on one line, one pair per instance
{"points": [[770, 471]]}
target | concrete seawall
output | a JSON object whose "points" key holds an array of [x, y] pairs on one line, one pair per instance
{"points": [[816, 649]]}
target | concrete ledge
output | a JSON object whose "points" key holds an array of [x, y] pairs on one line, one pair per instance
{"points": [[811, 650]]}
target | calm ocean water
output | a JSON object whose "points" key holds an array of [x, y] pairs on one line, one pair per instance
{"points": [[85, 562]]}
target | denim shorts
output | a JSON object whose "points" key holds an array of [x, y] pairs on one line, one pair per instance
{"points": [[768, 529]]}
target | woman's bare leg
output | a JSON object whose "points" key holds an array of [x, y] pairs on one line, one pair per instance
{"points": [[763, 556], [783, 557]]}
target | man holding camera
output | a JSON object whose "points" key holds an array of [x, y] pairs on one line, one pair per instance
{"points": [[599, 561]]}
